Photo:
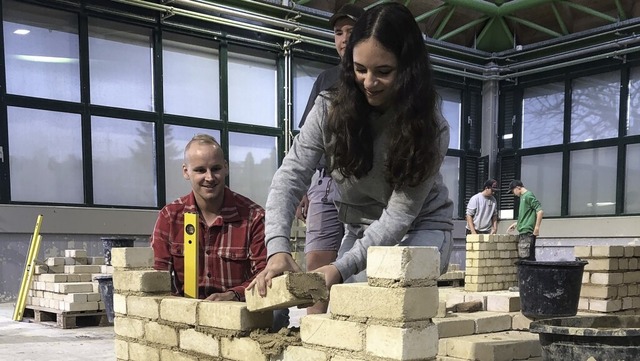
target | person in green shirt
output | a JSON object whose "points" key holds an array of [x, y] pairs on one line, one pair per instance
{"points": [[529, 220]]}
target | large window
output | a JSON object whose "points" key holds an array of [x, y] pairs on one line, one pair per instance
{"points": [[592, 186], [41, 52], [543, 115], [191, 76], [452, 112], [120, 65], [595, 107], [252, 163], [252, 88], [305, 73], [633, 113], [45, 155], [632, 180], [540, 175], [450, 170]]}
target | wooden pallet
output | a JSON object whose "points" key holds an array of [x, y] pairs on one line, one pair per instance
{"points": [[67, 319]]}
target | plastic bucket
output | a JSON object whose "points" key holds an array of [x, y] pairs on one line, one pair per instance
{"points": [[582, 338], [111, 242], [105, 286], [549, 289]]}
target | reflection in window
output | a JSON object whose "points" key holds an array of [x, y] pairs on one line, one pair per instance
{"points": [[543, 115], [593, 181], [120, 64], [46, 156], [252, 89], [632, 179], [452, 111], [595, 107], [252, 163], [41, 52], [124, 170], [191, 76], [540, 174], [305, 73], [633, 110], [176, 138], [450, 170]]}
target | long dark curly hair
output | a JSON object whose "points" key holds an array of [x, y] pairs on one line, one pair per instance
{"points": [[413, 153]]}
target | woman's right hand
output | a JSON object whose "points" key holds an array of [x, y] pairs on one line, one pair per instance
{"points": [[276, 265], [303, 208]]}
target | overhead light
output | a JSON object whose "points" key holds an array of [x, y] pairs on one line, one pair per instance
{"points": [[507, 136], [22, 32], [602, 204], [46, 59]]}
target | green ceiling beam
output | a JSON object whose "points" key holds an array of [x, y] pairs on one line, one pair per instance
{"points": [[444, 22], [463, 28], [302, 2], [621, 12], [556, 13], [435, 11], [491, 9], [495, 36], [590, 11], [534, 26]]}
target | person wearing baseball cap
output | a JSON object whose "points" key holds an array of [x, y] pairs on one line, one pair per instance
{"points": [[482, 210], [317, 209], [529, 219]]}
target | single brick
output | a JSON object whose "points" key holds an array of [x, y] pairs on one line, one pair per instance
{"points": [[79, 253], [241, 349], [73, 287], [128, 327], [232, 315], [395, 304], [132, 257], [582, 251], [403, 265], [142, 281], [503, 303], [82, 268], [119, 303], [82, 306], [75, 297], [454, 326], [145, 307], [605, 305], [291, 289], [298, 353], [170, 355], [122, 349], [598, 291], [607, 251], [52, 277], [489, 321], [322, 330], [54, 261], [162, 334], [179, 309], [203, 343], [139, 352], [402, 343]]}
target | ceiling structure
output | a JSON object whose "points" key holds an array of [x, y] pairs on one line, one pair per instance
{"points": [[483, 39]]}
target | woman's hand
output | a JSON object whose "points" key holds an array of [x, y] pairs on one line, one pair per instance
{"points": [[331, 275], [276, 265], [303, 209]]}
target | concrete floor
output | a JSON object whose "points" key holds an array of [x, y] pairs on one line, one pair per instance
{"points": [[29, 341], [42, 341]]}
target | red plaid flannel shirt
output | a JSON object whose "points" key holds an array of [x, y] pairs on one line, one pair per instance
{"points": [[232, 251]]}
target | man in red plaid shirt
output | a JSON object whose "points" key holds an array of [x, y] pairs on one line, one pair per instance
{"points": [[231, 230]]}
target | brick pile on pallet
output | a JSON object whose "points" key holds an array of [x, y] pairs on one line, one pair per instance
{"points": [[490, 262], [66, 283], [454, 276], [391, 319], [611, 279]]}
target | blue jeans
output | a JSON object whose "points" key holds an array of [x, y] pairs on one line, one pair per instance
{"points": [[419, 237]]}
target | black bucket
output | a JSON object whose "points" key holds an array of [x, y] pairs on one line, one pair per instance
{"points": [[105, 286], [112, 242], [549, 289], [582, 338]]}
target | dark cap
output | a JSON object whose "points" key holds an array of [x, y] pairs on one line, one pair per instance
{"points": [[491, 183], [350, 11], [514, 183]]}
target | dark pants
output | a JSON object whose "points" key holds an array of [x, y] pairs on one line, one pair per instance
{"points": [[527, 246], [480, 232]]}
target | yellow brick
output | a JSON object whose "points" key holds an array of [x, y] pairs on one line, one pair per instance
{"points": [[138, 352], [132, 257], [170, 355], [402, 343], [602, 264], [122, 349], [232, 315], [607, 251], [193, 340], [322, 330], [303, 284], [146, 307], [179, 309], [403, 263], [582, 251], [142, 281], [298, 353], [241, 349], [162, 334], [128, 327]]}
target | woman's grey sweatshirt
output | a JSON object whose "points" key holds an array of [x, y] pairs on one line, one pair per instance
{"points": [[369, 201]]}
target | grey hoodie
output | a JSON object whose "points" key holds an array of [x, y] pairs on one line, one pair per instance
{"points": [[386, 214]]}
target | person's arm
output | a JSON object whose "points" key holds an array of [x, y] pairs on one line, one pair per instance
{"points": [[470, 225], [160, 241], [494, 223], [536, 228], [257, 253]]}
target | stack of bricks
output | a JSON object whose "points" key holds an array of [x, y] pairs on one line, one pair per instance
{"points": [[490, 262], [65, 283], [388, 318], [610, 282]]}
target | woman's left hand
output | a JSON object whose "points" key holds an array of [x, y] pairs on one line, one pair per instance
{"points": [[331, 275]]}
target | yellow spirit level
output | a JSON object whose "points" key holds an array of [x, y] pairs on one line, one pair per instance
{"points": [[191, 251], [29, 266]]}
